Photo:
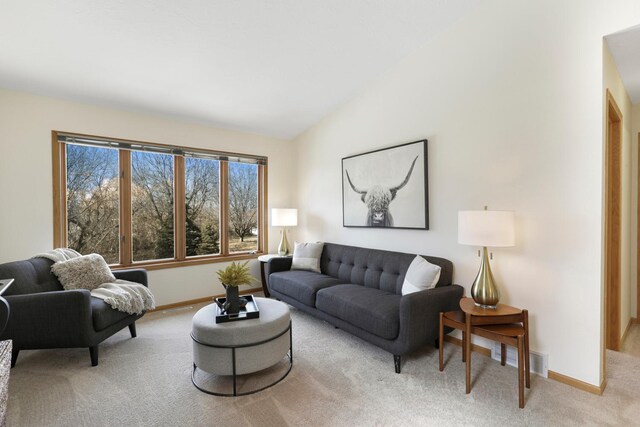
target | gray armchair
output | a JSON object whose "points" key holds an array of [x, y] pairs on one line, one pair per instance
{"points": [[43, 315]]}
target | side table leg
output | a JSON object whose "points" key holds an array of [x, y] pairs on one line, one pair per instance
{"points": [[464, 346], [520, 371], [467, 351], [265, 288], [527, 360], [441, 343]]}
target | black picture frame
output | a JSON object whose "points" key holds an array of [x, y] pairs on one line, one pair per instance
{"points": [[379, 182]]}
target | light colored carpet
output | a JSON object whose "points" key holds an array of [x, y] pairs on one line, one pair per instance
{"points": [[337, 380], [631, 344]]}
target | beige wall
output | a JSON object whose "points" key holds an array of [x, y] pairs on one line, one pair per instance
{"points": [[26, 224], [510, 100], [614, 84]]}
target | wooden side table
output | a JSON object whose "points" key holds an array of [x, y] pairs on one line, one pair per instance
{"points": [[264, 259], [499, 325], [504, 324]]}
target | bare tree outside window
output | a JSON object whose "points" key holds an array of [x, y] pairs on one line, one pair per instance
{"points": [[127, 212], [202, 194], [93, 201], [152, 206], [243, 207]]}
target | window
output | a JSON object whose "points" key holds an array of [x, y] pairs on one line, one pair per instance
{"points": [[202, 206], [155, 205], [152, 206], [243, 207], [93, 218]]}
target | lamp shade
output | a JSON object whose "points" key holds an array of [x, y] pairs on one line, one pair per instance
{"points": [[486, 228], [284, 217]]}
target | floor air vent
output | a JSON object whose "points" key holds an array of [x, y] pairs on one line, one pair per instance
{"points": [[539, 361]]}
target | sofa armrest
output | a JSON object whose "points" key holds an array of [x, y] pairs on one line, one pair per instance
{"points": [[275, 265], [419, 312], [137, 275], [50, 319]]}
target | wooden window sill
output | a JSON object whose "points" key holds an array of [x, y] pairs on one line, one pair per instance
{"points": [[173, 263]]}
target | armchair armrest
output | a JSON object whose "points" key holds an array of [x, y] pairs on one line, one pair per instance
{"points": [[419, 312], [50, 319], [138, 275], [278, 264]]}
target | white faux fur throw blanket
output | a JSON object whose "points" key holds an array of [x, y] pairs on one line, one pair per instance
{"points": [[122, 295], [130, 297]]}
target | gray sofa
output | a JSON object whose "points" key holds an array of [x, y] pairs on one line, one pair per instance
{"points": [[43, 315], [359, 290]]}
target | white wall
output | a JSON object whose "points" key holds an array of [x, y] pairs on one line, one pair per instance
{"points": [[26, 219], [510, 100], [614, 84]]}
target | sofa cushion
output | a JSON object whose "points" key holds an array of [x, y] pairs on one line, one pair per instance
{"points": [[103, 315], [301, 285], [372, 310]]}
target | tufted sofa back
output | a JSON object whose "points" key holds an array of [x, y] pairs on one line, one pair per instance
{"points": [[373, 268], [31, 276]]}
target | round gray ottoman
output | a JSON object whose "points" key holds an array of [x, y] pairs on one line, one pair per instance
{"points": [[241, 347]]}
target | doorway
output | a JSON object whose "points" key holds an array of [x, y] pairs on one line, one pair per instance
{"points": [[613, 215]]}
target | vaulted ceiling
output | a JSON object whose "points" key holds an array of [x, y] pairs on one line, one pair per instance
{"points": [[625, 49], [267, 67]]}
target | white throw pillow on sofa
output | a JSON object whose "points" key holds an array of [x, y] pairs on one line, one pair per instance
{"points": [[306, 256], [421, 275], [84, 272]]}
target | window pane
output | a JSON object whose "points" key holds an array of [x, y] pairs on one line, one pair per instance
{"points": [[93, 201], [152, 205], [243, 207], [203, 206]]}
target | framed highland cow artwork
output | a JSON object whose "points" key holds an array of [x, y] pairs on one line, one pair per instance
{"points": [[387, 188]]}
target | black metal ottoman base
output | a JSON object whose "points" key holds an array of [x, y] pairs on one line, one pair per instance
{"points": [[288, 356]]}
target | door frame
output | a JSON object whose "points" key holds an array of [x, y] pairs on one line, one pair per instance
{"points": [[613, 223], [637, 319]]}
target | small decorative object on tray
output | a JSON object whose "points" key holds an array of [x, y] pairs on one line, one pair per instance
{"points": [[248, 310]]}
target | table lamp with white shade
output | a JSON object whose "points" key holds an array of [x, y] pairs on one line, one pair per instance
{"points": [[486, 229], [284, 218]]}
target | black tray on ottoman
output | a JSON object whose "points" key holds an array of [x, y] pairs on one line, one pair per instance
{"points": [[249, 311]]}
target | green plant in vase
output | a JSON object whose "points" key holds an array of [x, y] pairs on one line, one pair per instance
{"points": [[234, 275]]}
